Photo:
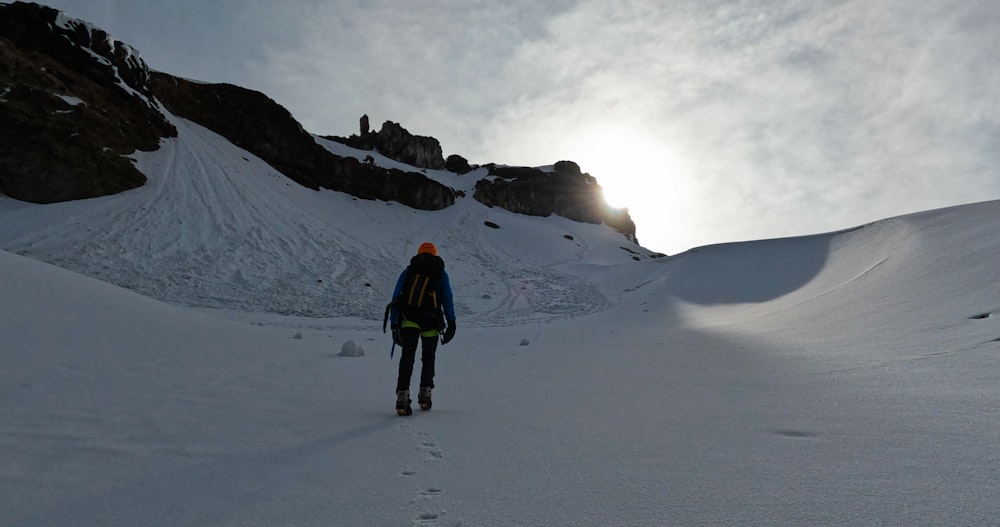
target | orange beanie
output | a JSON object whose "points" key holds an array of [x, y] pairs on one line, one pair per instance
{"points": [[427, 247]]}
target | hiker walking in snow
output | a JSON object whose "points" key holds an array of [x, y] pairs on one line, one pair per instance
{"points": [[421, 307]]}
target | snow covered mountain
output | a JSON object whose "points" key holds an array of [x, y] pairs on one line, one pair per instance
{"points": [[76, 102], [212, 224], [171, 355]]}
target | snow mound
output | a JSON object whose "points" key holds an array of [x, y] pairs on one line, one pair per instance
{"points": [[352, 349]]}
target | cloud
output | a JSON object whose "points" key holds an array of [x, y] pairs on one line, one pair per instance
{"points": [[792, 119], [434, 69]]}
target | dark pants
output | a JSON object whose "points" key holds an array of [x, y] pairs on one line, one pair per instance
{"points": [[409, 338]]}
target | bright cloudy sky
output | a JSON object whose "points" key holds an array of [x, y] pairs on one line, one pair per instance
{"points": [[714, 121]]}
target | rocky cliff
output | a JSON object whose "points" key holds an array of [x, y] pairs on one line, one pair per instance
{"points": [[565, 191], [73, 102], [395, 142]]}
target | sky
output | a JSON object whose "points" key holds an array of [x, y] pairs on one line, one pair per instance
{"points": [[713, 121]]}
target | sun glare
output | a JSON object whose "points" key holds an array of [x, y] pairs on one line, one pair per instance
{"points": [[633, 171], [646, 176]]}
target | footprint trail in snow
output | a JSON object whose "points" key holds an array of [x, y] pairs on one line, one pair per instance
{"points": [[427, 506]]}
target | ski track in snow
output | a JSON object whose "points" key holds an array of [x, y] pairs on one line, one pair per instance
{"points": [[198, 236]]}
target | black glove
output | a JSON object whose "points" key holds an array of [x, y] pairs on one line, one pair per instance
{"points": [[449, 332], [395, 337]]}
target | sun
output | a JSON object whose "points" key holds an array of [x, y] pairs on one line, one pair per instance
{"points": [[633, 171], [639, 171]]}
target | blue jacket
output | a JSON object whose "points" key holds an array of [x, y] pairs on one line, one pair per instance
{"points": [[443, 293]]}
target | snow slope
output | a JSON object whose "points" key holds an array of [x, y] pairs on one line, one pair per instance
{"points": [[217, 227], [847, 378]]}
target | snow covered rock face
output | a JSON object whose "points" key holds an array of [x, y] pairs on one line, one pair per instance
{"points": [[72, 97]]}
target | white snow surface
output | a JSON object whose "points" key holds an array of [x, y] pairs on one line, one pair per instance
{"points": [[177, 362]]}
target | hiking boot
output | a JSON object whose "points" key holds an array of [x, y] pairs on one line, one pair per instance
{"points": [[403, 403], [424, 398]]}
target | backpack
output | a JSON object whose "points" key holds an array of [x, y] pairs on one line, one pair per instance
{"points": [[418, 301]]}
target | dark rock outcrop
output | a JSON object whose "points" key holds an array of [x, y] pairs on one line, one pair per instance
{"points": [[419, 151], [256, 123], [75, 101], [395, 142], [565, 191], [457, 164], [369, 181]]}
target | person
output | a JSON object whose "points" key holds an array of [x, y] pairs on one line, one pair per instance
{"points": [[422, 306]]}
